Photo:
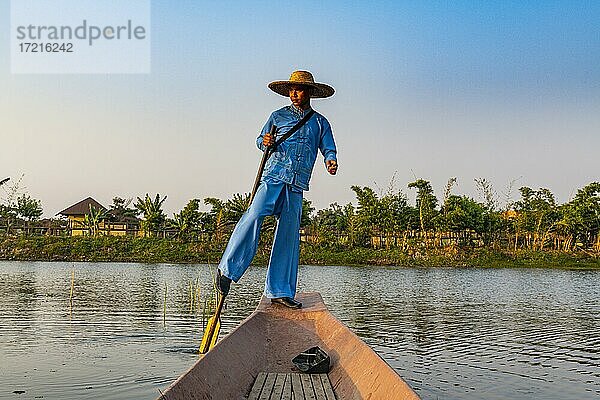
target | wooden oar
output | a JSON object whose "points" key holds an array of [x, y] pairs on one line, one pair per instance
{"points": [[211, 333], [261, 167]]}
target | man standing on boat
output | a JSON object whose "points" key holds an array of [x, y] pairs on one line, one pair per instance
{"points": [[286, 176]]}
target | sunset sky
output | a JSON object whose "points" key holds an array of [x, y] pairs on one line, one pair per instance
{"points": [[506, 90]]}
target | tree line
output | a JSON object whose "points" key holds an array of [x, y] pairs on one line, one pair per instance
{"points": [[535, 221]]}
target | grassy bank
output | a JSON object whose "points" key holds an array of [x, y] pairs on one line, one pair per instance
{"points": [[155, 250]]}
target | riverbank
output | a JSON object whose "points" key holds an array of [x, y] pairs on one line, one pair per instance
{"points": [[155, 250]]}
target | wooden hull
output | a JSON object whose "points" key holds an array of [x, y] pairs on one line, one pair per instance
{"points": [[268, 340]]}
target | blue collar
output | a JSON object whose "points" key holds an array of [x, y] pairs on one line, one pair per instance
{"points": [[299, 112]]}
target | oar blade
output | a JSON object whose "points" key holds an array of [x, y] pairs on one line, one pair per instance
{"points": [[215, 336], [211, 334]]}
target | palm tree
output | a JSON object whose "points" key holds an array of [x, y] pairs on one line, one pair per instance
{"points": [[91, 221], [178, 222], [187, 221], [154, 217], [225, 214], [214, 218], [426, 203], [236, 207], [8, 210]]}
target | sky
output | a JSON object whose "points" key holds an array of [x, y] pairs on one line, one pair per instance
{"points": [[508, 91]]}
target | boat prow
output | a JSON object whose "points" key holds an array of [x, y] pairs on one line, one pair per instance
{"points": [[268, 340]]}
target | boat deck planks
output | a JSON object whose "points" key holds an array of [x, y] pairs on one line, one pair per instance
{"points": [[281, 386], [327, 387]]}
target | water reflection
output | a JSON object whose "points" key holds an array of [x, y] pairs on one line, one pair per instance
{"points": [[451, 333]]}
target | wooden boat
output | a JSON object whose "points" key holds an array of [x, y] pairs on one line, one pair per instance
{"points": [[267, 341]]}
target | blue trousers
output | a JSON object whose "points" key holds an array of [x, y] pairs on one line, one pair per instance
{"points": [[271, 199]]}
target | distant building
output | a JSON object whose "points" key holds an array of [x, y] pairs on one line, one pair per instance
{"points": [[77, 222], [509, 215]]}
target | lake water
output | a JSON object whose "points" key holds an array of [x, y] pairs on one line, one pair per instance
{"points": [[450, 333]]}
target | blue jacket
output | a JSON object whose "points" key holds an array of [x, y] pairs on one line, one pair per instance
{"points": [[293, 160]]}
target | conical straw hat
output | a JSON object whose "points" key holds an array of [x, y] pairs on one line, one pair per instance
{"points": [[320, 90]]}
